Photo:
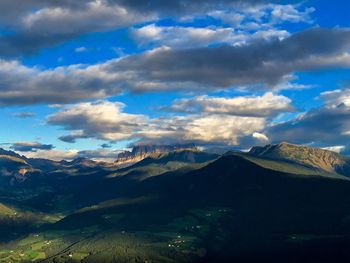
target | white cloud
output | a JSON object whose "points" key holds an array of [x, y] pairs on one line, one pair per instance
{"points": [[259, 64], [336, 98], [37, 24], [233, 19], [92, 16], [103, 155], [31, 85], [337, 148], [80, 49], [201, 129], [186, 37], [222, 129], [260, 136], [317, 126], [290, 13], [102, 120], [264, 16], [56, 155], [267, 105], [48, 24], [106, 120]]}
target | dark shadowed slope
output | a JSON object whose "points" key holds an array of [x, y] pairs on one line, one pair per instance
{"points": [[268, 210]]}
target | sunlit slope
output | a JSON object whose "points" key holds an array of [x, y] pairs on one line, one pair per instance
{"points": [[286, 166], [326, 160]]}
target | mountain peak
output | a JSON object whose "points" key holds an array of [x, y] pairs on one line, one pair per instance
{"points": [[83, 161], [143, 150], [9, 153], [12, 156], [140, 152], [319, 158], [287, 144]]}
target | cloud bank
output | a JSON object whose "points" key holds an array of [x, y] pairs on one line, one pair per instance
{"points": [[263, 63]]}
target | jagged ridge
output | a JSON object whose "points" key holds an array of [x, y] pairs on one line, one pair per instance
{"points": [[141, 152], [319, 158]]}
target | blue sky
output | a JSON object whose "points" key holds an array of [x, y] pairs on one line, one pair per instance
{"points": [[78, 76]]}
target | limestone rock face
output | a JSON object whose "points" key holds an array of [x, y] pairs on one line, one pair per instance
{"points": [[141, 152], [323, 159]]}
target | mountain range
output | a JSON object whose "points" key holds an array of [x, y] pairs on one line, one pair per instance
{"points": [[277, 203]]}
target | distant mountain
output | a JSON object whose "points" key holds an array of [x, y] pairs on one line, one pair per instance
{"points": [[314, 157], [119, 181], [83, 162], [13, 167], [179, 155], [9, 153], [141, 152]]}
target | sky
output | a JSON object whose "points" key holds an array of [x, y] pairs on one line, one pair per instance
{"points": [[91, 78]]}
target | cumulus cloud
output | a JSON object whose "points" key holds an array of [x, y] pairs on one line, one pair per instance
{"points": [[99, 154], [107, 121], [20, 84], [201, 129], [101, 120], [73, 136], [92, 16], [13, 9], [254, 139], [80, 49], [36, 23], [55, 155], [260, 136], [183, 7], [317, 126], [264, 15], [336, 98], [31, 146], [265, 62], [50, 24], [261, 63], [336, 148], [290, 13], [185, 37], [267, 105]]}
